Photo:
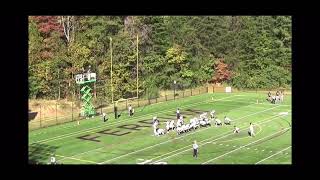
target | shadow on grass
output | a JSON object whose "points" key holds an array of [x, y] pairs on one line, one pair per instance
{"points": [[40, 153]]}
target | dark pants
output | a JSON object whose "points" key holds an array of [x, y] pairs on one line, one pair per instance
{"points": [[105, 119], [131, 113], [195, 152], [178, 115]]}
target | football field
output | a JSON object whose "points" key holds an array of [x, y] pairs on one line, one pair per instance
{"points": [[130, 140]]}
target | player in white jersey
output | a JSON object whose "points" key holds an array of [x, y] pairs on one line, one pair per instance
{"points": [[212, 113], [251, 130], [178, 113], [281, 96], [195, 149], [53, 159], [227, 121], [130, 110], [236, 129], [218, 122]]}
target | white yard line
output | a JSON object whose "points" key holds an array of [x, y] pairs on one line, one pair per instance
{"points": [[83, 160], [253, 101], [273, 155], [243, 146], [112, 124], [176, 138], [82, 153], [66, 157]]}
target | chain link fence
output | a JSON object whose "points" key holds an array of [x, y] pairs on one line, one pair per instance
{"points": [[43, 115]]}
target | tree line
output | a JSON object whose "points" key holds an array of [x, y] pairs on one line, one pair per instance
{"points": [[241, 51]]}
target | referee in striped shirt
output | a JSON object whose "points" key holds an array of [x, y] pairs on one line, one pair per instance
{"points": [[195, 149]]}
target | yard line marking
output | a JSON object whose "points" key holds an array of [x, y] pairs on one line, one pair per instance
{"points": [[180, 137], [115, 123], [261, 103], [83, 160], [243, 146], [273, 155], [82, 153], [66, 157], [262, 121]]}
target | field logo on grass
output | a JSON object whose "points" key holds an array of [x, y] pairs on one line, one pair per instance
{"points": [[142, 124]]}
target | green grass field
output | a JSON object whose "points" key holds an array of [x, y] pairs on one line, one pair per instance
{"points": [[130, 140]]}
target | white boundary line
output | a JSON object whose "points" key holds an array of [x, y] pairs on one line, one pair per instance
{"points": [[260, 103], [272, 155], [243, 146], [177, 138], [67, 157], [110, 125], [83, 160], [228, 134]]}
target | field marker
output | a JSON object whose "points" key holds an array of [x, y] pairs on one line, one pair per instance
{"points": [[114, 123], [272, 155], [262, 121], [242, 146], [179, 138]]}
